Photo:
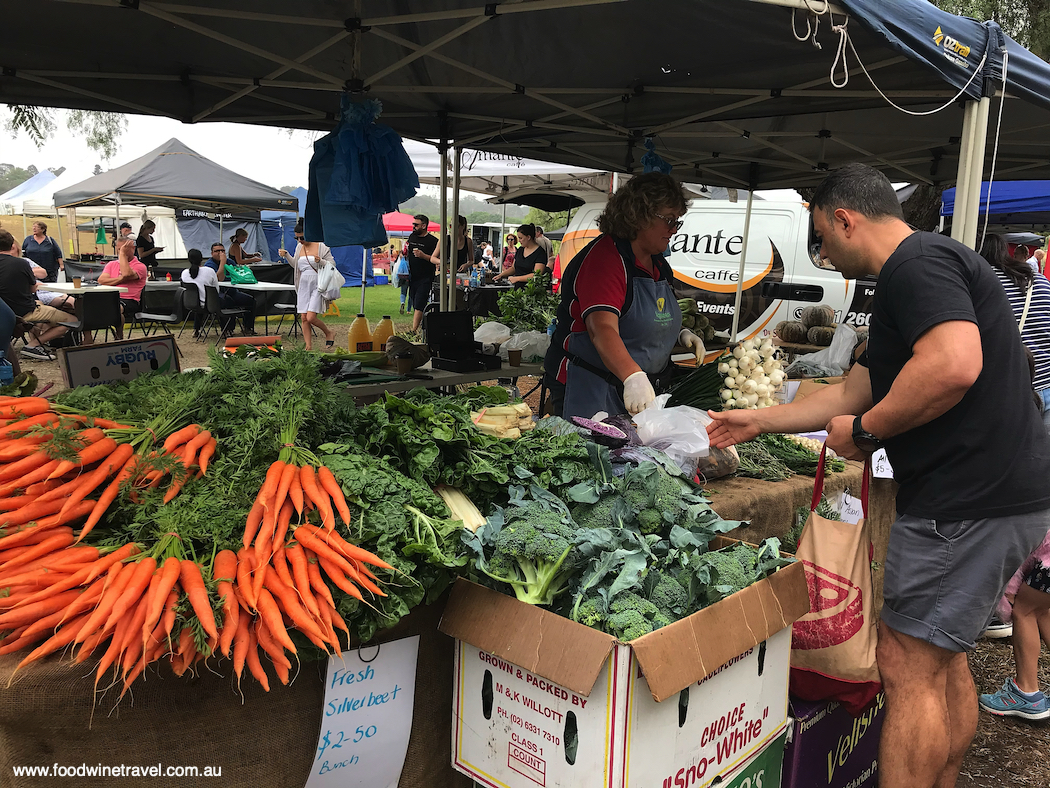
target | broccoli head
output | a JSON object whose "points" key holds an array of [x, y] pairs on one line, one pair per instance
{"points": [[590, 611], [732, 566], [596, 515], [656, 498], [670, 597], [535, 555], [632, 616], [650, 521]]}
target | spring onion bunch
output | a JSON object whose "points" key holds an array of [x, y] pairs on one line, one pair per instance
{"points": [[753, 375]]}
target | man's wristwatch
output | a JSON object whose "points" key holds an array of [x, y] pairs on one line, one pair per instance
{"points": [[864, 440]]}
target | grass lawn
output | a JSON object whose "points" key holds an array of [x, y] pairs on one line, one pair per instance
{"points": [[379, 300]]}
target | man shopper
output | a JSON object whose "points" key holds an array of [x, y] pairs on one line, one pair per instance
{"points": [[967, 447], [46, 255], [419, 248], [126, 271], [17, 288], [546, 244]]}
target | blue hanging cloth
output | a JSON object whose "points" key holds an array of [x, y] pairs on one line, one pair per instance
{"points": [[651, 160], [358, 172]]}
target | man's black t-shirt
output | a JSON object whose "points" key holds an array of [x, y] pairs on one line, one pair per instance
{"points": [[16, 284], [989, 456], [421, 267]]}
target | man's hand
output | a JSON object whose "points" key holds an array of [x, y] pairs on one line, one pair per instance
{"points": [[419, 253], [732, 426], [840, 438]]}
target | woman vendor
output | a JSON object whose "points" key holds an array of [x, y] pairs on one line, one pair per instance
{"points": [[618, 319], [529, 260]]}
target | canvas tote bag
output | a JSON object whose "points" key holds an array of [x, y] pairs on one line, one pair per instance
{"points": [[833, 646]]}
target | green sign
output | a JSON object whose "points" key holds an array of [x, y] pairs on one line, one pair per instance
{"points": [[762, 771]]}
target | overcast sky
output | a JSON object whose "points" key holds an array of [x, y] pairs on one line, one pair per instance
{"points": [[268, 155]]}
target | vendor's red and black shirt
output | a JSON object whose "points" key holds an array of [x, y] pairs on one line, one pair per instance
{"points": [[600, 278]]}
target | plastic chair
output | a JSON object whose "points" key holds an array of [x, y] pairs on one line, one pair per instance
{"points": [[217, 314], [95, 311], [284, 310], [155, 303], [189, 301]]}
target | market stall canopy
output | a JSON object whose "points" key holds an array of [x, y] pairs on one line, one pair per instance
{"points": [[177, 176], [1013, 203], [753, 105], [398, 222], [11, 200]]}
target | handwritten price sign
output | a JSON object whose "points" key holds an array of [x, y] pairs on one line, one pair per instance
{"points": [[880, 465], [367, 717]]}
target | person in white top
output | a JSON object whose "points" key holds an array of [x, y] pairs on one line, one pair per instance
{"points": [[310, 302], [202, 276]]}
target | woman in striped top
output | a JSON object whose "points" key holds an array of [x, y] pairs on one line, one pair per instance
{"points": [[1017, 277]]}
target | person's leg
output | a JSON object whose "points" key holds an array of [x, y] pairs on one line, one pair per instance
{"points": [[917, 739], [238, 299], [308, 334], [315, 320], [1029, 606], [962, 718]]}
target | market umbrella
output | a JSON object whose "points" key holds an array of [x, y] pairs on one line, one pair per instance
{"points": [[398, 222]]}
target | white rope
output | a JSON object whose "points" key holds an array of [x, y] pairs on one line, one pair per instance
{"points": [[995, 151], [811, 27], [840, 55]]}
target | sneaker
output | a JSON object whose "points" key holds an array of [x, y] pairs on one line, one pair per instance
{"points": [[37, 352], [998, 629], [1009, 702]]}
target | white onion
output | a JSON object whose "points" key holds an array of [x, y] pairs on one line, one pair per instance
{"points": [[730, 382], [723, 369], [738, 352], [740, 379], [733, 363], [776, 377], [762, 390], [749, 387], [727, 394], [747, 344], [752, 399]]}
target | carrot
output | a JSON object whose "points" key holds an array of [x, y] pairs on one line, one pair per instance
{"points": [[244, 581], [195, 444], [340, 579], [61, 639], [15, 502], [176, 485], [326, 479], [295, 493], [78, 489], [131, 644], [280, 566], [33, 510], [17, 448], [241, 642], [95, 421], [260, 571], [313, 492], [167, 577], [269, 645], [271, 615], [318, 545], [88, 574], [329, 630], [271, 483], [288, 601], [110, 656], [297, 560], [349, 550], [185, 652], [180, 437], [56, 542], [284, 519], [206, 454], [225, 571], [62, 560], [55, 619], [40, 488], [317, 583], [289, 473], [134, 591], [264, 539], [18, 640], [255, 516], [27, 615], [193, 585], [90, 454], [252, 657], [13, 470], [29, 534], [108, 496], [25, 407]]}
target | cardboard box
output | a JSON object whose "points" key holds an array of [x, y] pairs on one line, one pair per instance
{"points": [[763, 770], [829, 748], [543, 701], [800, 389], [92, 365]]}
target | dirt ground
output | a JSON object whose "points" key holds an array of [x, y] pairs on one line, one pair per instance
{"points": [[1006, 753]]}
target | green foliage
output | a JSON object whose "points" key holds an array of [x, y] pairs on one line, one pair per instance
{"points": [[1026, 21], [548, 221], [11, 176], [101, 130], [530, 308]]}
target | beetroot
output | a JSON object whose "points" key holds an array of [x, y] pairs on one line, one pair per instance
{"points": [[605, 434]]}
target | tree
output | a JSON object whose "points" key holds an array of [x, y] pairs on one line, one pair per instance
{"points": [[548, 221], [1026, 21], [12, 176], [97, 170], [100, 130], [482, 217]]}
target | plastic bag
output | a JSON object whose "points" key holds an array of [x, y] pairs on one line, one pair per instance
{"points": [[532, 344], [491, 333], [330, 282], [680, 432], [834, 359]]}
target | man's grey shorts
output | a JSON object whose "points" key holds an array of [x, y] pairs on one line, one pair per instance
{"points": [[943, 578]]}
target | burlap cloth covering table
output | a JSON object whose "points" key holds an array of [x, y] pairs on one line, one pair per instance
{"points": [[771, 506], [269, 741]]}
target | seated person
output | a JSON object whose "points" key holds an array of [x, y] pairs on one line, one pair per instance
{"points": [[202, 276], [231, 297], [17, 288], [126, 271]]}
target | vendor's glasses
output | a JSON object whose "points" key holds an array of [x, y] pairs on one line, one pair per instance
{"points": [[672, 223], [298, 237]]}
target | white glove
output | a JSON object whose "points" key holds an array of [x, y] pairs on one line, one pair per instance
{"points": [[688, 339], [638, 392]]}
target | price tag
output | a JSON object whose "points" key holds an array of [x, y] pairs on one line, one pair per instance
{"points": [[850, 508], [880, 465], [367, 717]]}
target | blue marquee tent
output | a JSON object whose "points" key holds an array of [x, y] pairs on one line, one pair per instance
{"points": [[1013, 203]]}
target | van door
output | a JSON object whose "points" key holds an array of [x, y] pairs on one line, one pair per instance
{"points": [[705, 255]]}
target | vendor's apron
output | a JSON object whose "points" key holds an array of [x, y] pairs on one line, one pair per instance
{"points": [[649, 330]]}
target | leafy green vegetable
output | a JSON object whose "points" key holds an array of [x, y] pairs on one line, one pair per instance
{"points": [[530, 308], [796, 456]]}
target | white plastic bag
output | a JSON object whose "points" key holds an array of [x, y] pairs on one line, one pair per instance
{"points": [[491, 333], [330, 282], [532, 344], [679, 432], [835, 358]]}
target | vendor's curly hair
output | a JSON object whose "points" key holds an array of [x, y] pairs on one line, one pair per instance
{"points": [[635, 204]]}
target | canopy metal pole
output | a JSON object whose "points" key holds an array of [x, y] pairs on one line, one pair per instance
{"points": [[116, 222], [220, 231], [740, 270], [503, 225], [61, 242], [976, 172], [452, 253], [962, 178], [76, 232], [25, 231], [364, 276], [442, 292]]}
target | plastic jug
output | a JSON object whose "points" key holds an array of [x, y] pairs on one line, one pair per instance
{"points": [[384, 330], [7, 372], [360, 335]]}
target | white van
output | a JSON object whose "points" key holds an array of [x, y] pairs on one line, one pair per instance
{"points": [[782, 274]]}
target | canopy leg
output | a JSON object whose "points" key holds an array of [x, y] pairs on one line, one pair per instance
{"points": [[971, 172], [453, 257], [442, 273], [740, 270]]}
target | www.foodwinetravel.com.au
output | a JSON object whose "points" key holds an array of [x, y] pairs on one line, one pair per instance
{"points": [[116, 770]]}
